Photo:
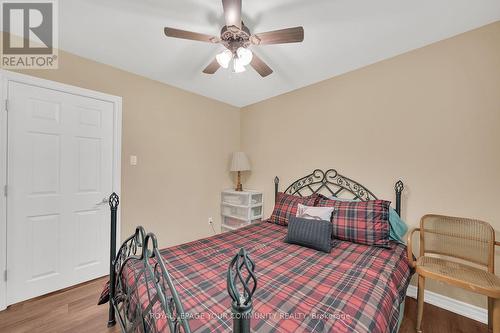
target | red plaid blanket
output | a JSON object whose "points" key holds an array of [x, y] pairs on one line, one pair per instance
{"points": [[355, 288]]}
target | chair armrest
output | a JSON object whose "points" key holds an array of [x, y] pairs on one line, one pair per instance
{"points": [[409, 247], [497, 243]]}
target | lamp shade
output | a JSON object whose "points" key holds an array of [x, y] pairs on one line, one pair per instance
{"points": [[240, 162]]}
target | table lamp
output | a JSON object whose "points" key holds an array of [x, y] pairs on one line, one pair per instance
{"points": [[239, 163]]}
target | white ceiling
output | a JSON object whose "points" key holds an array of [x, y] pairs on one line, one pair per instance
{"points": [[340, 35]]}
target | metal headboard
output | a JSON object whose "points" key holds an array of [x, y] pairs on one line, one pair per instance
{"points": [[332, 183]]}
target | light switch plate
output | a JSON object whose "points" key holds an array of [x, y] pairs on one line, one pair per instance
{"points": [[133, 160]]}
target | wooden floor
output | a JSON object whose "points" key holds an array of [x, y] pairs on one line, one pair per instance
{"points": [[75, 310], [70, 310], [437, 320]]}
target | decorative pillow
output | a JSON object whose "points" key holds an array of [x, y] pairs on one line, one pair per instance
{"points": [[363, 222], [286, 206], [315, 213], [314, 234], [398, 227]]}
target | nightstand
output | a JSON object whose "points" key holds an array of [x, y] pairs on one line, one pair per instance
{"points": [[240, 208]]}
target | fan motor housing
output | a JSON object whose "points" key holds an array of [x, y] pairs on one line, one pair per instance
{"points": [[233, 37]]}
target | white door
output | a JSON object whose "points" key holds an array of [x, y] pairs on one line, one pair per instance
{"points": [[60, 169]]}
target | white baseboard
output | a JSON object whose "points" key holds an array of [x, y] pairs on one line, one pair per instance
{"points": [[452, 305]]}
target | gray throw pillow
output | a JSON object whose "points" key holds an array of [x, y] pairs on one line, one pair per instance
{"points": [[314, 234]]}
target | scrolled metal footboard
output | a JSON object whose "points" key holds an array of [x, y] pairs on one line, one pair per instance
{"points": [[123, 298], [241, 285], [142, 295], [165, 289], [137, 263]]}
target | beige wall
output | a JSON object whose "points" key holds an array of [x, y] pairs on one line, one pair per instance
{"points": [[183, 142], [430, 117]]}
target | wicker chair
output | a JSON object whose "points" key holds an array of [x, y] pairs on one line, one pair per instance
{"points": [[460, 252]]}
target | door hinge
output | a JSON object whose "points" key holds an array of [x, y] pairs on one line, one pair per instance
{"points": [[5, 275], [5, 190], [6, 105]]}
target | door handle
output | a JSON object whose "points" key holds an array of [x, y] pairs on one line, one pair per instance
{"points": [[104, 200]]}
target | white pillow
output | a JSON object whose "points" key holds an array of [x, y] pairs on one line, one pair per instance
{"points": [[314, 213]]}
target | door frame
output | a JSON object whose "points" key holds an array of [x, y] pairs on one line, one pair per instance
{"points": [[5, 78]]}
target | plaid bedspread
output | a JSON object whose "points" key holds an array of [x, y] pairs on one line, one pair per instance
{"points": [[355, 288]]}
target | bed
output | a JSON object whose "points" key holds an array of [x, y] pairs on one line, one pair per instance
{"points": [[273, 286]]}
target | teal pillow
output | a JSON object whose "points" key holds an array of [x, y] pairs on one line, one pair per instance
{"points": [[398, 227]]}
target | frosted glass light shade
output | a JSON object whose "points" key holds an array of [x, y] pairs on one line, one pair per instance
{"points": [[244, 55], [240, 162], [237, 66], [224, 58]]}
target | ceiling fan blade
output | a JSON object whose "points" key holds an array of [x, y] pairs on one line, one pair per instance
{"points": [[260, 66], [232, 12], [289, 35], [212, 67], [184, 34]]}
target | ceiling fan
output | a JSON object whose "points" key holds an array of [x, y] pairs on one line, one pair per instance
{"points": [[236, 38]]}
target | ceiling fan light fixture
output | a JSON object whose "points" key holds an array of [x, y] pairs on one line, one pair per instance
{"points": [[237, 66], [237, 39], [244, 55], [224, 58]]}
